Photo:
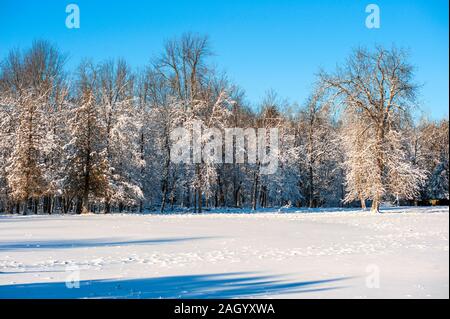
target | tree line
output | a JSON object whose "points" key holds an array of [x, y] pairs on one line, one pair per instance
{"points": [[98, 139]]}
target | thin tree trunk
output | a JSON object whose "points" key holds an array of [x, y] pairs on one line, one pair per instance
{"points": [[199, 201], [195, 200], [380, 163], [363, 203], [311, 187], [255, 190], [164, 198]]}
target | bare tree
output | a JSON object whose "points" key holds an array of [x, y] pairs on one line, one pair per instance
{"points": [[379, 87]]}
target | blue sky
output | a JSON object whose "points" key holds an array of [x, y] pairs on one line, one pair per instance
{"points": [[262, 44]]}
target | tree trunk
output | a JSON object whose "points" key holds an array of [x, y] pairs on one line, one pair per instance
{"points": [[237, 195], [363, 203], [380, 166], [166, 173], [28, 206], [194, 197], [375, 205], [107, 206], [172, 201], [85, 202], [311, 188], [255, 191], [164, 198], [199, 201]]}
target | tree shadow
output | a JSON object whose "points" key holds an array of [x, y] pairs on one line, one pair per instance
{"points": [[226, 285], [87, 243], [29, 272]]}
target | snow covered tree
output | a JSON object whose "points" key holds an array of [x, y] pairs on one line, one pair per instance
{"points": [[8, 115], [358, 160], [24, 171], [87, 164], [193, 98], [430, 151], [317, 146], [118, 116], [33, 83], [379, 86], [269, 117]]}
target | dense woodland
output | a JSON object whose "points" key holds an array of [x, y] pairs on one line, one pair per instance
{"points": [[97, 139]]}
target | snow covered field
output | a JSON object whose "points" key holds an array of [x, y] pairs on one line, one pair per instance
{"points": [[402, 253]]}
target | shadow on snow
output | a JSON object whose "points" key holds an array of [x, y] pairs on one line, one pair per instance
{"points": [[88, 243], [231, 285]]}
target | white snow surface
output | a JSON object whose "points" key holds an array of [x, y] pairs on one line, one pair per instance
{"points": [[287, 253]]}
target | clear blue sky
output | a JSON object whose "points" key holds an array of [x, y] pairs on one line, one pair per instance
{"points": [[261, 44]]}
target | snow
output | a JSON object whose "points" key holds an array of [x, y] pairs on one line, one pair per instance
{"points": [[287, 253]]}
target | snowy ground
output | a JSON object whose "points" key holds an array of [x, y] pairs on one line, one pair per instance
{"points": [[271, 254]]}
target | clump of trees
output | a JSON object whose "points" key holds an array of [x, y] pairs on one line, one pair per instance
{"points": [[98, 139]]}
